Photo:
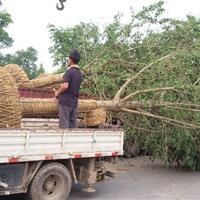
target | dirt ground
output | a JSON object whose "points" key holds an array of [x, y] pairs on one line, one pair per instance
{"points": [[141, 179]]}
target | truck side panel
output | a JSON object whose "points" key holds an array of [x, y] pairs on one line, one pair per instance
{"points": [[22, 145]]}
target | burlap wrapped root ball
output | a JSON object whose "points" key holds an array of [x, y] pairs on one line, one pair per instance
{"points": [[10, 106], [95, 117], [18, 74], [93, 114]]}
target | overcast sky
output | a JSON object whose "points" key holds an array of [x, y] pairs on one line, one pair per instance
{"points": [[31, 17]]}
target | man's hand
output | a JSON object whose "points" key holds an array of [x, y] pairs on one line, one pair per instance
{"points": [[56, 94], [63, 87]]}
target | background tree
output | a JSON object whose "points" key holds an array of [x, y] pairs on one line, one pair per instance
{"points": [[5, 40], [26, 59], [84, 36]]}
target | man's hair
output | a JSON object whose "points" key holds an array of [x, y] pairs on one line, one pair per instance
{"points": [[75, 56]]}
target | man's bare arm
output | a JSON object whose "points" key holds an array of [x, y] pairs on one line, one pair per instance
{"points": [[63, 88]]}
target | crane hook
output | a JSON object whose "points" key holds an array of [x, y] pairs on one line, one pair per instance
{"points": [[61, 7]]}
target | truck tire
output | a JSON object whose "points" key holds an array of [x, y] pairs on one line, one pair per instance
{"points": [[52, 182]]}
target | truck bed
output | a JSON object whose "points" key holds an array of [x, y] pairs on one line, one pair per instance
{"points": [[33, 144]]}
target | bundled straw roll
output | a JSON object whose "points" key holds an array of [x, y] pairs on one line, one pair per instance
{"points": [[48, 108], [19, 75], [10, 106], [43, 75], [53, 85], [45, 81], [22, 80]]}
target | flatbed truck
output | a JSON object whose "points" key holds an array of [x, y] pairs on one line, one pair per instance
{"points": [[44, 161]]}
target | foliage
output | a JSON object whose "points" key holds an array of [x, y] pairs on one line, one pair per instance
{"points": [[85, 37], [160, 59], [5, 39], [26, 59]]}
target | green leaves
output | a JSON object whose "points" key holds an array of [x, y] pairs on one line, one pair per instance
{"points": [[151, 14], [168, 50], [26, 59], [84, 37], [5, 39]]}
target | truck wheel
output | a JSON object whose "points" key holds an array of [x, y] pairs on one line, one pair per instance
{"points": [[52, 182]]}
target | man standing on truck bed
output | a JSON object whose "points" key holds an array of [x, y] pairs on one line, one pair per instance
{"points": [[68, 92]]}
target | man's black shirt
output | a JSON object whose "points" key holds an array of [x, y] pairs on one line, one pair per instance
{"points": [[73, 76]]}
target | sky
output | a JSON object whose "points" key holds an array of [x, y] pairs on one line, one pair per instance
{"points": [[31, 17]]}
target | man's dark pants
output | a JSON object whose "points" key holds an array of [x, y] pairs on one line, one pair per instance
{"points": [[67, 116]]}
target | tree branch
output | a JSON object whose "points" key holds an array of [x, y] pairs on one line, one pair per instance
{"points": [[175, 104], [147, 90], [117, 96], [196, 81], [166, 119], [180, 108]]}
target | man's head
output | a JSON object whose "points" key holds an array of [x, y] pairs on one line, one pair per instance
{"points": [[74, 57]]}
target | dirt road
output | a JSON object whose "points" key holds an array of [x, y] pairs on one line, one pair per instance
{"points": [[140, 179]]}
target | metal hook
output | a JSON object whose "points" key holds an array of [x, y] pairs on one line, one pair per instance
{"points": [[61, 7]]}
